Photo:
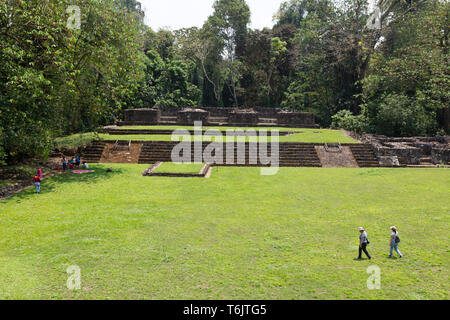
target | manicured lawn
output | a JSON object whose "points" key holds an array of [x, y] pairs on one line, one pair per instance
{"points": [[304, 135], [237, 235], [207, 128], [75, 140], [169, 167]]}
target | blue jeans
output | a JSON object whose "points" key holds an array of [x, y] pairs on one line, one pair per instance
{"points": [[37, 186], [394, 245]]}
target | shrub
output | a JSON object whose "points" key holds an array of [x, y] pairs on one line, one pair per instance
{"points": [[346, 120], [400, 115]]}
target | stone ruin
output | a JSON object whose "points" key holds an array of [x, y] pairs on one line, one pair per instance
{"points": [[190, 115], [142, 116], [244, 116], [410, 151], [253, 117], [294, 118]]}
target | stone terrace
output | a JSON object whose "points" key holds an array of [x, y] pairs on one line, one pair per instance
{"points": [[255, 117]]}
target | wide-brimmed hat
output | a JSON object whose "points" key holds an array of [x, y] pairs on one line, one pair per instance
{"points": [[393, 227], [361, 229]]}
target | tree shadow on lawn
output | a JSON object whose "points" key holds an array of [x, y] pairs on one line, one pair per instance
{"points": [[48, 185]]}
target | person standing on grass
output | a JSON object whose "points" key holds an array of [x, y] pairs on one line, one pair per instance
{"points": [[394, 241], [363, 242], [39, 172], [37, 184], [77, 161], [64, 164]]}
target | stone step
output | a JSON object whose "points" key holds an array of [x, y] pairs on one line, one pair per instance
{"points": [[169, 117]]}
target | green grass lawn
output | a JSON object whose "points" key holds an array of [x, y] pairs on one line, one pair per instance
{"points": [[75, 140], [221, 128], [304, 135], [237, 235], [169, 167]]}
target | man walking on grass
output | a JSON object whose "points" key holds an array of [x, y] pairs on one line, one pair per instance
{"points": [[394, 241], [363, 242]]}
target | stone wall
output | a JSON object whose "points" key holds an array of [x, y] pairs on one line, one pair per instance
{"points": [[296, 119], [224, 112], [241, 117], [440, 155], [146, 116], [248, 117], [410, 150], [189, 116], [408, 156]]}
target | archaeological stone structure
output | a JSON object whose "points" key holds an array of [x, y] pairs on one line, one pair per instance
{"points": [[263, 117], [142, 116], [410, 151]]}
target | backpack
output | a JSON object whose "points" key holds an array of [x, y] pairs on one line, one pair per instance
{"points": [[397, 239]]}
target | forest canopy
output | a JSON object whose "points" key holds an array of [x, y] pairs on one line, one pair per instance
{"points": [[386, 74]]}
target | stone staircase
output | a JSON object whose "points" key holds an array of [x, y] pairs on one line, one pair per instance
{"points": [[93, 153], [169, 120], [290, 154], [364, 155], [298, 155], [268, 122], [156, 151], [218, 121], [426, 161]]}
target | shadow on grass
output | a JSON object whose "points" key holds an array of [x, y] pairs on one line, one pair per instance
{"points": [[48, 185]]}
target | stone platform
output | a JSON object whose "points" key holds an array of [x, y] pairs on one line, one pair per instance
{"points": [[290, 154], [255, 117]]}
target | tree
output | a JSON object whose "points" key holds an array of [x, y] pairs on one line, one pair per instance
{"points": [[295, 11], [334, 47], [166, 84], [412, 63], [56, 80], [203, 49], [229, 21]]}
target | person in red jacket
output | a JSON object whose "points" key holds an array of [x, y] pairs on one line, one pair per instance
{"points": [[37, 184]]}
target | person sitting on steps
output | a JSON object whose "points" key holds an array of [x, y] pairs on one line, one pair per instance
{"points": [[71, 164]]}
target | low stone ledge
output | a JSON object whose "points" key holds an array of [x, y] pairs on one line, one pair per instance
{"points": [[190, 116]]}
